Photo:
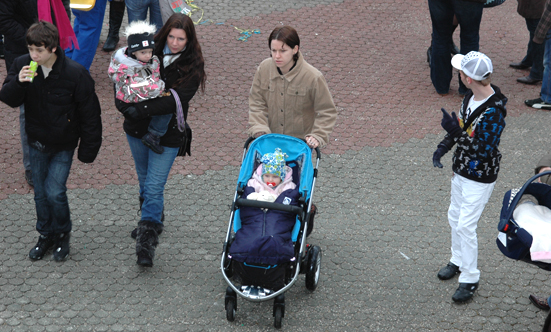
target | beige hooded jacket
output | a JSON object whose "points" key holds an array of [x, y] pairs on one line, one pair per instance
{"points": [[296, 104]]}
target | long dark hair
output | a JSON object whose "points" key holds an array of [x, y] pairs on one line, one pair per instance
{"points": [[190, 62], [287, 35]]}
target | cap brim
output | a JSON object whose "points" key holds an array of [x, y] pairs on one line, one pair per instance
{"points": [[456, 61]]}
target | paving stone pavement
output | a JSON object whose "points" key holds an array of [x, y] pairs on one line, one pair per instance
{"points": [[382, 205]]}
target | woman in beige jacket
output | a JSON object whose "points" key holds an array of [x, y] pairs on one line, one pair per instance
{"points": [[289, 96]]}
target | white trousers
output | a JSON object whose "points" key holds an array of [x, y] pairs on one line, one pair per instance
{"points": [[468, 199]]}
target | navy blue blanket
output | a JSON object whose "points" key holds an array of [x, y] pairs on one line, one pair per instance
{"points": [[265, 236]]}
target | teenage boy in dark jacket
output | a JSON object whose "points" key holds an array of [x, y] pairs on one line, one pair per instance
{"points": [[476, 160], [62, 112], [15, 18]]}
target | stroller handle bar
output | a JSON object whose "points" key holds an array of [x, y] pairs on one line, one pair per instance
{"points": [[267, 205], [250, 139]]}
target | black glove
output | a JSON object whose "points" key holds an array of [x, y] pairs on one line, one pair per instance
{"points": [[440, 151], [131, 113], [451, 124]]}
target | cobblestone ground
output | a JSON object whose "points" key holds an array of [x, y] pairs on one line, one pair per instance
{"points": [[382, 222]]}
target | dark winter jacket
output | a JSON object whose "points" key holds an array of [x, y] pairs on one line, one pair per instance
{"points": [[16, 16], [265, 236], [162, 105], [477, 156], [544, 24], [530, 9], [59, 109]]}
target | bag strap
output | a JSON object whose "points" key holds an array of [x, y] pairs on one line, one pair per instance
{"points": [[179, 112]]}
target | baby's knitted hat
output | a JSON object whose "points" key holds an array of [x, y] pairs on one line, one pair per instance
{"points": [[139, 35], [274, 163]]}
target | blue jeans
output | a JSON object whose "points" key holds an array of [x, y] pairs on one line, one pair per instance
{"points": [[137, 11], [152, 170], [534, 52], [469, 15], [546, 82], [50, 173], [87, 26], [159, 124]]}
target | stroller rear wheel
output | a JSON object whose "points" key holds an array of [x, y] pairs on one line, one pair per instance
{"points": [[313, 266]]}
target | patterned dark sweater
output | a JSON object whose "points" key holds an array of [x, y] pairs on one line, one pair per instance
{"points": [[477, 156]]}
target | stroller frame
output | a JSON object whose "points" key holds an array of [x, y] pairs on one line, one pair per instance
{"points": [[304, 256]]}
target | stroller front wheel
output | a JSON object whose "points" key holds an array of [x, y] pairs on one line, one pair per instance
{"points": [[231, 304], [278, 317], [313, 268], [230, 310]]}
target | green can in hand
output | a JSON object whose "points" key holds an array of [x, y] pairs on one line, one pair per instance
{"points": [[34, 67]]}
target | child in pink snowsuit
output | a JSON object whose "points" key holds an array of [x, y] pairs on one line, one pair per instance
{"points": [[136, 74]]}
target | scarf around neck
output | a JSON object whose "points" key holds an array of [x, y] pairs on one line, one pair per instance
{"points": [[67, 36]]}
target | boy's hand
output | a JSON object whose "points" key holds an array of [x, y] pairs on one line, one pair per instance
{"points": [[25, 74], [451, 124], [440, 151]]}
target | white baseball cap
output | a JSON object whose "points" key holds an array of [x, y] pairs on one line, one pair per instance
{"points": [[476, 65]]}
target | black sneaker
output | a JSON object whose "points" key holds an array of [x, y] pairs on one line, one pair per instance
{"points": [[61, 247], [538, 103], [464, 292], [153, 142], [448, 271], [44, 243]]}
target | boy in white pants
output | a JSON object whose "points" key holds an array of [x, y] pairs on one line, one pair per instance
{"points": [[476, 159]]}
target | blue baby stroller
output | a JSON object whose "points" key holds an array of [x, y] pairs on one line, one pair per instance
{"points": [[262, 281], [514, 240]]}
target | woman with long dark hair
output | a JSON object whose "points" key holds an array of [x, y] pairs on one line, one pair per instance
{"points": [[182, 69]]}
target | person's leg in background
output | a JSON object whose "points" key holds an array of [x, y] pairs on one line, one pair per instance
{"points": [[25, 146], [546, 83], [534, 56], [469, 15], [155, 16], [136, 9], [87, 26], [536, 51], [544, 102], [116, 15], [441, 13]]}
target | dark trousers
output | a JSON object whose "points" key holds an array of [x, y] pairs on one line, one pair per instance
{"points": [[469, 15], [534, 52]]}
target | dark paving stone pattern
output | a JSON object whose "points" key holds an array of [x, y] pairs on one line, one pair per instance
{"points": [[382, 221]]}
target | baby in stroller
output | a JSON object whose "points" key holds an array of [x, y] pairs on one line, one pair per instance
{"points": [[271, 178], [265, 239], [533, 214]]}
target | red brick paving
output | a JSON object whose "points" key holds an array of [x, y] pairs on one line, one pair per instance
{"points": [[373, 55]]}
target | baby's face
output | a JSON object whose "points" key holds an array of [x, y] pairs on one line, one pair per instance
{"points": [[144, 55], [271, 179]]}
